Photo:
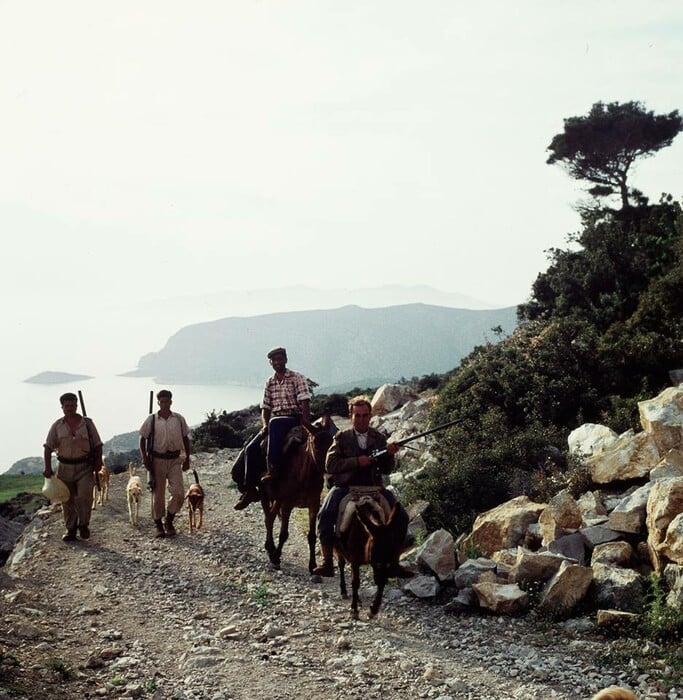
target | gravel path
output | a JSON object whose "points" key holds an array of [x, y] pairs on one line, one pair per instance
{"points": [[203, 616]]}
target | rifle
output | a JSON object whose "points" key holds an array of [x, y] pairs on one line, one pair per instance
{"points": [[150, 445], [91, 456], [380, 452]]}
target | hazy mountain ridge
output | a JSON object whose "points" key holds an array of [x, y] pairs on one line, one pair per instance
{"points": [[333, 347]]}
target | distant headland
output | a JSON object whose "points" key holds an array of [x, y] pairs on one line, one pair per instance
{"points": [[55, 378]]}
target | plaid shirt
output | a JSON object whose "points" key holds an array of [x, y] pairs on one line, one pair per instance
{"points": [[284, 396]]}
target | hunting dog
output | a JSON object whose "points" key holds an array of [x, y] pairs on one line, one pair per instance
{"points": [[100, 493], [614, 693], [133, 494], [195, 503]]}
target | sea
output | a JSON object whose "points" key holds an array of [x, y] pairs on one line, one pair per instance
{"points": [[116, 404]]}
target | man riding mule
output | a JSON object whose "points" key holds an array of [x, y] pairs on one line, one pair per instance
{"points": [[285, 405], [349, 463]]}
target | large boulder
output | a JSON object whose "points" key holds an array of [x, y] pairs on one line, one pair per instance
{"points": [[628, 457], [389, 397], [505, 526], [663, 505], [662, 418]]}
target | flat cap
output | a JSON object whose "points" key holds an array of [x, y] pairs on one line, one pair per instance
{"points": [[276, 351]]}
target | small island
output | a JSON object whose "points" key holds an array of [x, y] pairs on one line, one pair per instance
{"points": [[55, 378]]}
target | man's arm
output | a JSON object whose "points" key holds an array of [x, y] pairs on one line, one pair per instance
{"points": [[305, 406], [186, 445], [265, 417], [47, 457]]}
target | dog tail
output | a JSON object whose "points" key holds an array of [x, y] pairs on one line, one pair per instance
{"points": [[131, 468], [196, 476]]}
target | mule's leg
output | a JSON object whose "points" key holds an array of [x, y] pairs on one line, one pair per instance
{"points": [[342, 577], [312, 539], [355, 587], [269, 515], [284, 532], [380, 581]]}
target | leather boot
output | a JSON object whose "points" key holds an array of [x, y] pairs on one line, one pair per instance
{"points": [[160, 528], [170, 530], [251, 495], [327, 567]]}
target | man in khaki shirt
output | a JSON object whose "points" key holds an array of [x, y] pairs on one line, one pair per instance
{"points": [[79, 455]]}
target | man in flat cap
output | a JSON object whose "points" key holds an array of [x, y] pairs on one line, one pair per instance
{"points": [[286, 404], [79, 455]]}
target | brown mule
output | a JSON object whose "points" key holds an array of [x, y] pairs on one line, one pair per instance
{"points": [[299, 487]]}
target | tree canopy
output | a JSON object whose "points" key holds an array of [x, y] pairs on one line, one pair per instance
{"points": [[601, 146]]}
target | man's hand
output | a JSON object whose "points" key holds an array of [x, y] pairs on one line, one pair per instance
{"points": [[365, 461], [393, 448], [186, 464]]}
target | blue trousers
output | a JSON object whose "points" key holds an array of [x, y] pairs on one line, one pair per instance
{"points": [[278, 428], [327, 517]]}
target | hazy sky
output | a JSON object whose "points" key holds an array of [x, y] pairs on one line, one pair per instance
{"points": [[159, 148]]}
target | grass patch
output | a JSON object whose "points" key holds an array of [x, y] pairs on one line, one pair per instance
{"points": [[59, 667], [13, 484]]}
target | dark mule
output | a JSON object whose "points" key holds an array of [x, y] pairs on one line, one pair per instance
{"points": [[367, 536], [300, 487]]}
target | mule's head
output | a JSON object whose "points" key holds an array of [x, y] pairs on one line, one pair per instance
{"points": [[319, 442], [382, 538]]}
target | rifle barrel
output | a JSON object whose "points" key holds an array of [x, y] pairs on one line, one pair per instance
{"points": [[151, 400], [80, 398], [431, 430]]}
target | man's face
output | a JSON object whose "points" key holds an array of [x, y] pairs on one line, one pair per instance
{"points": [[164, 403], [278, 362], [360, 418], [69, 407]]}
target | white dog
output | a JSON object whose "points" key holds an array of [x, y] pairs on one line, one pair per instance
{"points": [[133, 495]]}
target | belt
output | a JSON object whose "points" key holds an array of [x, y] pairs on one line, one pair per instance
{"points": [[290, 414], [69, 460], [166, 455]]}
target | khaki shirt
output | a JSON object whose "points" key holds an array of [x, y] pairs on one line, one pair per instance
{"points": [[168, 432], [70, 445]]}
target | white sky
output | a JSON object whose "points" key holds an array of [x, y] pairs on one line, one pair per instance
{"points": [[158, 148]]}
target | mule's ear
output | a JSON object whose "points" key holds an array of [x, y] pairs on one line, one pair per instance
{"points": [[392, 515]]}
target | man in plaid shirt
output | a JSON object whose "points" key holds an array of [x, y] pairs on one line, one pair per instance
{"points": [[286, 404]]}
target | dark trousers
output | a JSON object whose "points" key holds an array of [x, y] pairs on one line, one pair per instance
{"points": [[254, 464], [327, 517], [278, 428]]}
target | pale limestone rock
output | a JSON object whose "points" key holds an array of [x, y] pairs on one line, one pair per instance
{"points": [[613, 553], [672, 546], [471, 571], [438, 554], [590, 505], [504, 526], [671, 464], [628, 457], [663, 505], [614, 618], [673, 576], [565, 589], [629, 515], [550, 530], [422, 586], [565, 510], [590, 438], [389, 397], [662, 418], [504, 599], [614, 587], [535, 566]]}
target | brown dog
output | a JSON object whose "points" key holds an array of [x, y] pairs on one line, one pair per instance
{"points": [[101, 496], [195, 503], [614, 693]]}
